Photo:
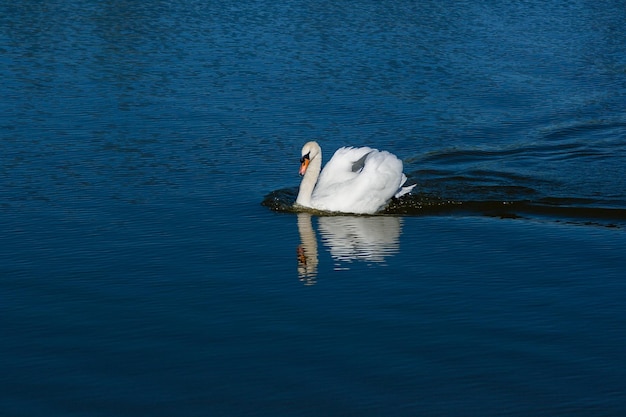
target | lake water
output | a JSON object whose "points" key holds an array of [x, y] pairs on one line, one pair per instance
{"points": [[151, 264]]}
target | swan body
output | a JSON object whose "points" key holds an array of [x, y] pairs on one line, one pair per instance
{"points": [[355, 180]]}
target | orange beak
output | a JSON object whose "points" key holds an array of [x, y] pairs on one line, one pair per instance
{"points": [[304, 164]]}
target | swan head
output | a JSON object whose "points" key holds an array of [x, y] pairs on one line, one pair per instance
{"points": [[310, 150]]}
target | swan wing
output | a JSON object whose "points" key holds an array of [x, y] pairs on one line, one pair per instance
{"points": [[358, 180], [344, 166]]}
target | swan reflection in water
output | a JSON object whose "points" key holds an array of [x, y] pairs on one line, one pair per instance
{"points": [[348, 239], [307, 250]]}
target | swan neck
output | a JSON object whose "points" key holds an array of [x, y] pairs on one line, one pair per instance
{"points": [[309, 180]]}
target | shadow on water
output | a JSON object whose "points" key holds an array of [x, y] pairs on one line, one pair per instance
{"points": [[503, 202]]}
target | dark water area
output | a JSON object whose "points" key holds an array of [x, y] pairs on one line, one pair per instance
{"points": [[151, 262]]}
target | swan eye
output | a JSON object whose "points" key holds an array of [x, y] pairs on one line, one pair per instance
{"points": [[304, 157]]}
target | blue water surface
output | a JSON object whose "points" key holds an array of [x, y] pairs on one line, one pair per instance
{"points": [[150, 262]]}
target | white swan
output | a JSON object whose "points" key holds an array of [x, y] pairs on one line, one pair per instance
{"points": [[355, 180]]}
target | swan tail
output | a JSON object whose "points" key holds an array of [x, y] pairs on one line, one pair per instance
{"points": [[404, 190]]}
